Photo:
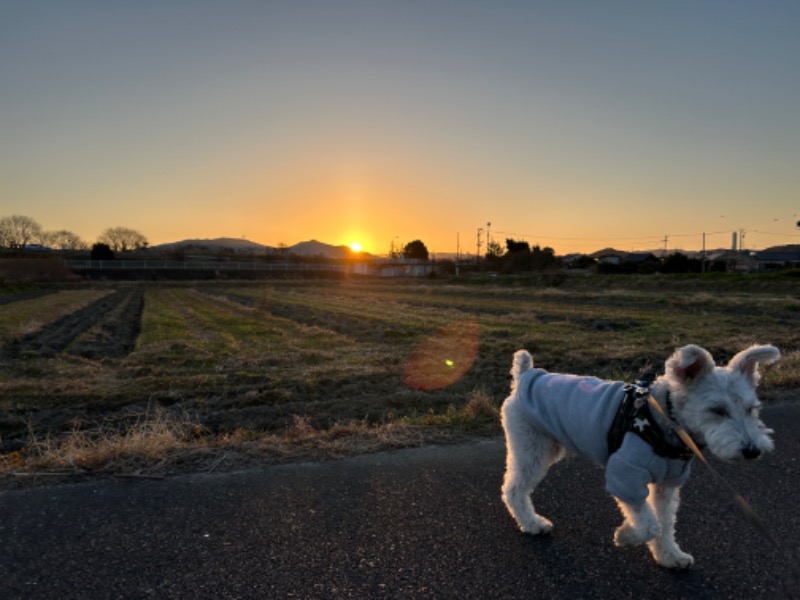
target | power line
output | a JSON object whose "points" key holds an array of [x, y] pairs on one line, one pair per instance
{"points": [[791, 235], [579, 239], [658, 238]]}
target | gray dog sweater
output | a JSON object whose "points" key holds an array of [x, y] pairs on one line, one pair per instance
{"points": [[578, 412]]}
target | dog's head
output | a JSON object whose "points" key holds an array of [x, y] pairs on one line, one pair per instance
{"points": [[718, 405]]}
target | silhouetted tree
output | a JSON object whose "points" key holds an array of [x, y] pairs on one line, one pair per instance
{"points": [[415, 249], [123, 239], [17, 231], [62, 240], [680, 263], [493, 250], [543, 258], [518, 256], [102, 252], [513, 246], [584, 261]]}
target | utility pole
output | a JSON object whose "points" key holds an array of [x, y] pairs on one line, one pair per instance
{"points": [[478, 251], [703, 263], [666, 239], [458, 251]]}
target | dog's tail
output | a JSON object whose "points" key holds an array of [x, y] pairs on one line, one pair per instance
{"points": [[523, 361]]}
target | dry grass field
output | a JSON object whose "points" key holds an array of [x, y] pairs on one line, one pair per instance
{"points": [[150, 379]]}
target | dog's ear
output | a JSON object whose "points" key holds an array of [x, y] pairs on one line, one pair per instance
{"points": [[746, 362], [689, 364]]}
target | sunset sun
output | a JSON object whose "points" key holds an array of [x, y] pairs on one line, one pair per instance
{"points": [[355, 246]]}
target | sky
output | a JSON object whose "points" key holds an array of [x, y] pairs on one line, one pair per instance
{"points": [[577, 125]]}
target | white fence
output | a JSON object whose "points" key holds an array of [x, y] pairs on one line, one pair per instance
{"points": [[392, 268], [82, 265]]}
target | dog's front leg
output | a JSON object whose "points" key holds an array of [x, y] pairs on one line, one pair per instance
{"points": [[640, 524], [664, 500]]}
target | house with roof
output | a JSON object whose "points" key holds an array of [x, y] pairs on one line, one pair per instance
{"points": [[770, 260]]}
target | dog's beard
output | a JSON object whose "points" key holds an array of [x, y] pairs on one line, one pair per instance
{"points": [[729, 441]]}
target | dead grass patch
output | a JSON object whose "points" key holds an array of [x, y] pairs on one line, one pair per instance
{"points": [[149, 439], [160, 444], [479, 415], [784, 372]]}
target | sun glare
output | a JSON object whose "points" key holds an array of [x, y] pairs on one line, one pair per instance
{"points": [[355, 246]]}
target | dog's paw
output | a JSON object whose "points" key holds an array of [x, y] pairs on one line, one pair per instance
{"points": [[627, 535], [538, 526], [673, 559]]}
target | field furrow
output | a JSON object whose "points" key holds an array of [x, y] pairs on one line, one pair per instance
{"points": [[114, 333], [53, 322]]}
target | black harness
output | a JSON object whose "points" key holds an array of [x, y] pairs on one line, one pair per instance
{"points": [[634, 416]]}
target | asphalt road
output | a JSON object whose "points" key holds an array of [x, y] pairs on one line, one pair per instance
{"points": [[422, 523]]}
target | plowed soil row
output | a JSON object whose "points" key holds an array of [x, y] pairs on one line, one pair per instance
{"points": [[30, 295], [107, 327], [114, 335]]}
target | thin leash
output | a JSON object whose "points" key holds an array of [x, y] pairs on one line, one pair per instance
{"points": [[751, 514], [748, 511]]}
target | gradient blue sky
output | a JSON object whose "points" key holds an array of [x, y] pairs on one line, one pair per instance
{"points": [[574, 124]]}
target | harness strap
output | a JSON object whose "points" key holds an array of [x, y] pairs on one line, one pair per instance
{"points": [[634, 416]]}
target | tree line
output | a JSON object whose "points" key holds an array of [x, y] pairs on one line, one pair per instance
{"points": [[520, 256], [18, 232]]}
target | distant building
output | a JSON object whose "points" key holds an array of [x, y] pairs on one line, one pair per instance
{"points": [[771, 261], [617, 258], [736, 261], [402, 267]]}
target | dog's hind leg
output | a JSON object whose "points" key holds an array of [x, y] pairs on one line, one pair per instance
{"points": [[664, 500], [529, 455]]}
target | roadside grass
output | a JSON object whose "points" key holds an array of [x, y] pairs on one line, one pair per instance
{"points": [[159, 443], [150, 438], [227, 374]]}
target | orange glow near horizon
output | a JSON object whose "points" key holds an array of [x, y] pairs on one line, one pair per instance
{"points": [[348, 128]]}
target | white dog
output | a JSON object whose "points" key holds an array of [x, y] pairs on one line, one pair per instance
{"points": [[646, 463]]}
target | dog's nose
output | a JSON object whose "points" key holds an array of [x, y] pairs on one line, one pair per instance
{"points": [[751, 452]]}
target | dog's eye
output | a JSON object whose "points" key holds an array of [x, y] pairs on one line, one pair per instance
{"points": [[720, 411]]}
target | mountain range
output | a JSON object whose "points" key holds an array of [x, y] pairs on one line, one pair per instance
{"points": [[317, 248], [242, 246]]}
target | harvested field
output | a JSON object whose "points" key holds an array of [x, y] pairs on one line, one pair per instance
{"points": [[107, 327], [233, 363]]}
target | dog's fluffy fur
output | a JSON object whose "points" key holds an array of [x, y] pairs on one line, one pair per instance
{"points": [[716, 405]]}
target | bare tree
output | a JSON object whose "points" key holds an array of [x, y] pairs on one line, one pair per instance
{"points": [[121, 239], [17, 231], [62, 240]]}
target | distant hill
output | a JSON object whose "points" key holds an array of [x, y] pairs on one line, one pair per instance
{"points": [[213, 245], [315, 248], [784, 248], [309, 248]]}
